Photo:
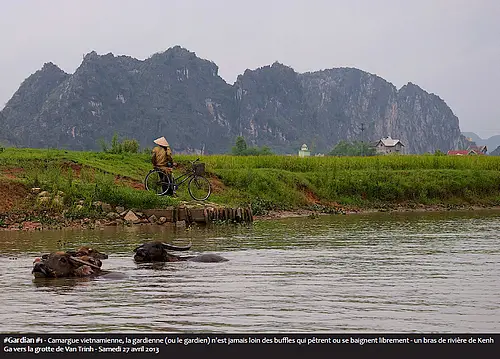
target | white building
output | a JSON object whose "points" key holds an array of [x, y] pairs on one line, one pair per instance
{"points": [[389, 145], [304, 151]]}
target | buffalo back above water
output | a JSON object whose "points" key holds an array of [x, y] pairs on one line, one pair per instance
{"points": [[156, 251]]}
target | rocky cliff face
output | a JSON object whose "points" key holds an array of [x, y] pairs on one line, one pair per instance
{"points": [[271, 108], [182, 97], [174, 94], [27, 102], [425, 122], [321, 108], [349, 104]]}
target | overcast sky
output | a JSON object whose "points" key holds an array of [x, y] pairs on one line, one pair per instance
{"points": [[447, 47]]}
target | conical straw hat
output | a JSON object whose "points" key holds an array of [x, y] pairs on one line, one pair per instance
{"points": [[161, 142]]}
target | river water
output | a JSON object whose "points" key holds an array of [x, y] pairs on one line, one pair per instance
{"points": [[417, 272]]}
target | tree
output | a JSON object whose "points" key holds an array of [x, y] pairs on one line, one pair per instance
{"points": [[240, 147], [356, 148], [117, 147]]}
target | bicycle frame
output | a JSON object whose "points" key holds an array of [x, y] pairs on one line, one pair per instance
{"points": [[177, 182], [195, 181]]}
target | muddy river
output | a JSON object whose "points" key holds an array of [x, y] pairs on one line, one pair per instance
{"points": [[419, 272]]}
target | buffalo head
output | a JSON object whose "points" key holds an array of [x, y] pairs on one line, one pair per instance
{"points": [[63, 264], [157, 252]]}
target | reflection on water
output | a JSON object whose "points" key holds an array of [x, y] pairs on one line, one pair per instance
{"points": [[379, 272]]}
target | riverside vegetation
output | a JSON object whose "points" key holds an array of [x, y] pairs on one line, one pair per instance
{"points": [[273, 182]]}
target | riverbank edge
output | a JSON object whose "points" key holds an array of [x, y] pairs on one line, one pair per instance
{"points": [[31, 220], [274, 215]]}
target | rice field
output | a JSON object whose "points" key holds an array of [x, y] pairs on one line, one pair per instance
{"points": [[272, 182]]}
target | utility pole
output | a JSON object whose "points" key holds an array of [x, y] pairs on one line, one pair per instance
{"points": [[362, 139]]}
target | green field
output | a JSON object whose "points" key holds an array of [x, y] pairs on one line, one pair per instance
{"points": [[266, 182]]}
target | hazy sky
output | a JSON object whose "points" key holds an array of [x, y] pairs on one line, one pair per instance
{"points": [[447, 47]]}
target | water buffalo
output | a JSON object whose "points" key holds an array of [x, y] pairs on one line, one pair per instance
{"points": [[156, 251], [69, 264]]}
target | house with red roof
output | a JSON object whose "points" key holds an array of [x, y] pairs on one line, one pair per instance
{"points": [[480, 150], [463, 153]]}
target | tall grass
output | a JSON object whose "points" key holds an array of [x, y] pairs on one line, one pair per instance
{"points": [[284, 189], [90, 186], [318, 164], [267, 182], [137, 163], [420, 186]]}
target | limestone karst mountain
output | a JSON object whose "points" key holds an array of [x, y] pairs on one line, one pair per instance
{"points": [[182, 97]]}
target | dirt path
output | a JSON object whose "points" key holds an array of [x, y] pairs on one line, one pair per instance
{"points": [[12, 194]]}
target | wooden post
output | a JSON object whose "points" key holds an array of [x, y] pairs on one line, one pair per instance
{"points": [[205, 214]]}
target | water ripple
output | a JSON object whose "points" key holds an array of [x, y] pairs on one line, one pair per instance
{"points": [[383, 272]]}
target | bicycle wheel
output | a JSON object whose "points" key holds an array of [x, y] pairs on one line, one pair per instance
{"points": [[157, 182], [199, 188]]}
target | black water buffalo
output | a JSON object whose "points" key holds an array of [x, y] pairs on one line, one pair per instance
{"points": [[82, 263], [156, 251]]}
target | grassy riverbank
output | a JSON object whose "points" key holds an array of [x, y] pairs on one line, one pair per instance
{"points": [[265, 182]]}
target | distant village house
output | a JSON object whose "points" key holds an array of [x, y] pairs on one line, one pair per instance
{"points": [[471, 151], [304, 151], [388, 145], [480, 150]]}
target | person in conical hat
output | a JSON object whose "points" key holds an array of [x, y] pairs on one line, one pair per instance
{"points": [[162, 158], [162, 141]]}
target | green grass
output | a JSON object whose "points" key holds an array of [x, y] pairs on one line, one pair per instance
{"points": [[270, 182], [281, 182], [323, 164], [51, 170], [133, 166]]}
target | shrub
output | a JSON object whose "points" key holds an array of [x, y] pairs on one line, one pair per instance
{"points": [[117, 147], [241, 149], [356, 148]]}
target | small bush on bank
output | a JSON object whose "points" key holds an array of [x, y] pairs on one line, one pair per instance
{"points": [[117, 147], [241, 149]]}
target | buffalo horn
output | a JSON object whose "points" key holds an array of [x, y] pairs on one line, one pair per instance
{"points": [[176, 248], [78, 260], [135, 249]]}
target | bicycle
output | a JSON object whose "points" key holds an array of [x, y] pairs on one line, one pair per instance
{"points": [[198, 186]]}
